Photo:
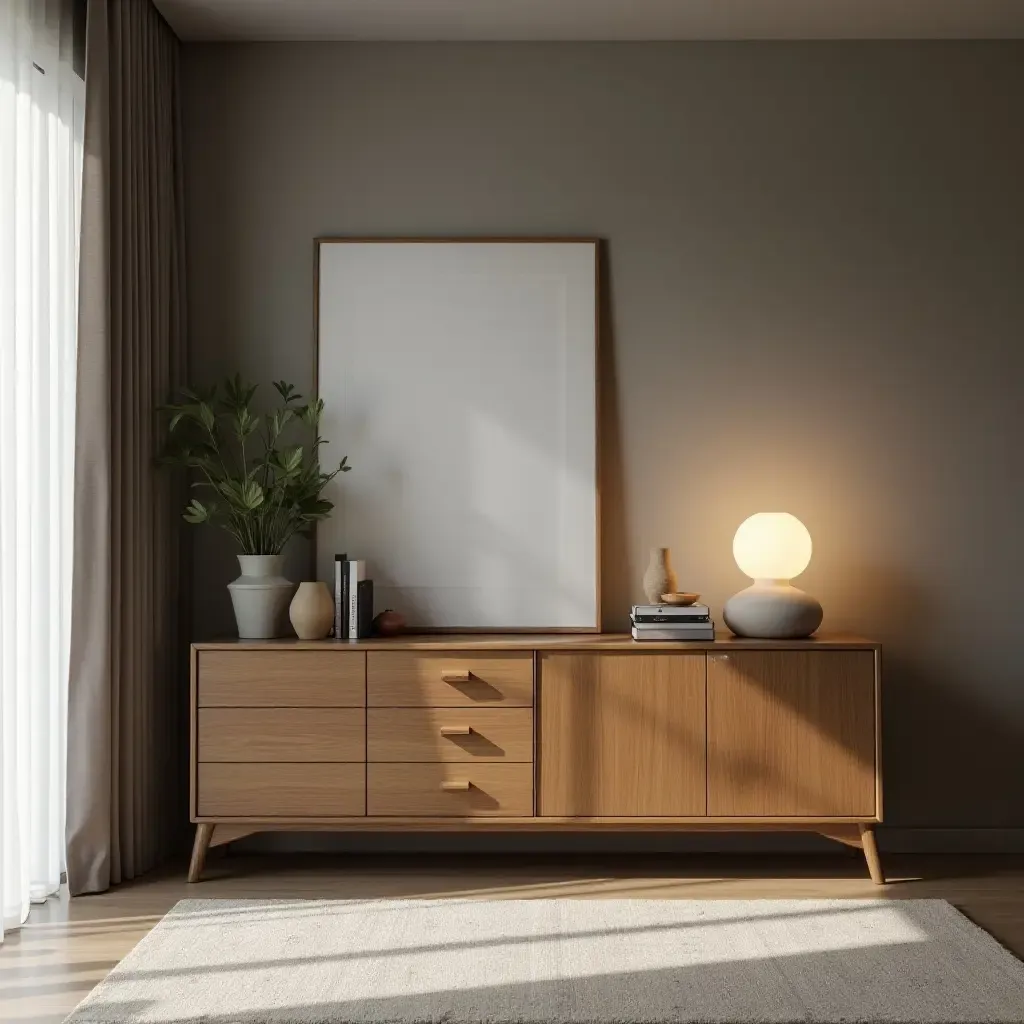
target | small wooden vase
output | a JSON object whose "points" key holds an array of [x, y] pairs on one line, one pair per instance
{"points": [[659, 578], [312, 611]]}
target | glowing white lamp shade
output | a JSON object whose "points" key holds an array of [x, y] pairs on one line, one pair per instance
{"points": [[772, 548]]}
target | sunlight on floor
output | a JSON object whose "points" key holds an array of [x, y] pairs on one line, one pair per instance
{"points": [[70, 945]]}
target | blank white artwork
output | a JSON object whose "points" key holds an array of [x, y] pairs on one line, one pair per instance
{"points": [[460, 379]]}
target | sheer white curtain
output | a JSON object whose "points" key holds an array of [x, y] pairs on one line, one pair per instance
{"points": [[41, 119]]}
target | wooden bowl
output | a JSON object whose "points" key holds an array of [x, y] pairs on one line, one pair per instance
{"points": [[680, 600]]}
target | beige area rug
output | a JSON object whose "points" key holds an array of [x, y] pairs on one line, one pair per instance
{"points": [[559, 961]]}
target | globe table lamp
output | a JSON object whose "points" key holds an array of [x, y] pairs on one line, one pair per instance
{"points": [[772, 548]]}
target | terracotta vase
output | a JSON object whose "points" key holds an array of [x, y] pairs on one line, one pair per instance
{"points": [[659, 578], [312, 611]]}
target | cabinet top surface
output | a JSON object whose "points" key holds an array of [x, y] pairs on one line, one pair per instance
{"points": [[542, 642]]}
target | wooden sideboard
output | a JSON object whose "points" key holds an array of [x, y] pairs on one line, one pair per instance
{"points": [[536, 733]]}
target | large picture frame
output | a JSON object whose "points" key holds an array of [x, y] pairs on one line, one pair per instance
{"points": [[460, 376]]}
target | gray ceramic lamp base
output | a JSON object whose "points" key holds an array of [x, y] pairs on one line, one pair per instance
{"points": [[772, 610]]}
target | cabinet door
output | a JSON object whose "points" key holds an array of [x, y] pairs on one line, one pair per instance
{"points": [[791, 733], [621, 735]]}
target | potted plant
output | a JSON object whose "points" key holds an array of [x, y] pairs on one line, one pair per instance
{"points": [[257, 487]]}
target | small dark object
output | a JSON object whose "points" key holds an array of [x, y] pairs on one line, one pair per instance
{"points": [[389, 623]]}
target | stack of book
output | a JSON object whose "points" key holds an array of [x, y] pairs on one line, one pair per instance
{"points": [[353, 599], [672, 622]]}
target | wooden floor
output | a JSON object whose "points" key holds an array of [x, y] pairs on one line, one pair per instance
{"points": [[67, 946]]}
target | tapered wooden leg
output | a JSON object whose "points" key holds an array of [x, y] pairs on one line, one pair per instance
{"points": [[204, 833], [867, 838]]}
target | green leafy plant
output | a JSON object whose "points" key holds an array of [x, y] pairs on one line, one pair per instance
{"points": [[260, 489]]}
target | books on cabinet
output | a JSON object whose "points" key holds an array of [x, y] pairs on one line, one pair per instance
{"points": [[671, 622], [353, 599]]}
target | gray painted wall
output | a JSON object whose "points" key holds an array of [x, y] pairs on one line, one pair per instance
{"points": [[814, 260]]}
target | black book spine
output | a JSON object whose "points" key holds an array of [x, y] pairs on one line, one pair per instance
{"points": [[343, 635], [671, 619], [364, 609], [339, 604]]}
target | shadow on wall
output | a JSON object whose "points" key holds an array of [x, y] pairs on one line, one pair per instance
{"points": [[612, 522], [950, 739]]}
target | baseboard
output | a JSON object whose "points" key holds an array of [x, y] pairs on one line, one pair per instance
{"points": [[890, 840], [951, 840]]}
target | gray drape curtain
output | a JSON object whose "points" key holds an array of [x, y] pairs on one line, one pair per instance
{"points": [[127, 742]]}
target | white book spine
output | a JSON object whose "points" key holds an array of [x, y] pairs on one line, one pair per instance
{"points": [[708, 633], [356, 572], [683, 610]]}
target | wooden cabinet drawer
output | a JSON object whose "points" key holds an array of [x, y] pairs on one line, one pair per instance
{"points": [[449, 790], [449, 734], [253, 679], [455, 679], [281, 790], [282, 734]]}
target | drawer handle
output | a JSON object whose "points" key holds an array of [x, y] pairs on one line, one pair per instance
{"points": [[455, 675], [456, 786], [456, 730]]}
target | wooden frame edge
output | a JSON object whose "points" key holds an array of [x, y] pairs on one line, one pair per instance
{"points": [[516, 640], [879, 788], [537, 823]]}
